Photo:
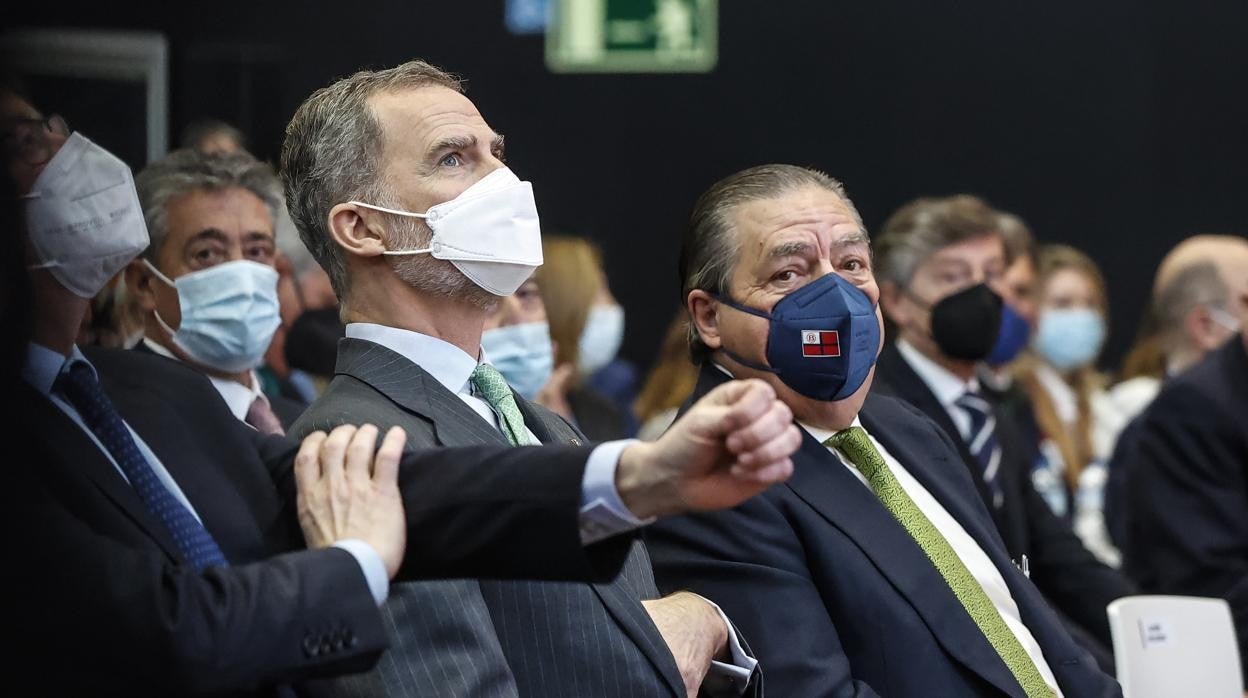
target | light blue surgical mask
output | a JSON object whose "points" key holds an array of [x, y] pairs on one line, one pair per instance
{"points": [[601, 338], [229, 314], [1070, 338], [522, 353]]}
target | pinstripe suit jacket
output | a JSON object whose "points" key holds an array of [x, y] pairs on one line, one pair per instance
{"points": [[486, 637]]}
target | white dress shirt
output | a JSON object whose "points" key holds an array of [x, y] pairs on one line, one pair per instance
{"points": [[43, 366], [237, 396], [967, 550], [944, 385], [603, 513]]}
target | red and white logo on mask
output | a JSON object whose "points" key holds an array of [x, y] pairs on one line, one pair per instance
{"points": [[821, 343]]}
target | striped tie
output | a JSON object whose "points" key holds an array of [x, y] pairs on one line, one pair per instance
{"points": [[982, 441], [857, 447]]}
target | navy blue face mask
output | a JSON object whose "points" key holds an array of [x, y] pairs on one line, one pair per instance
{"points": [[823, 338], [1012, 338]]}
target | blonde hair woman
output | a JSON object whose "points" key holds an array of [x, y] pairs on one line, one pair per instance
{"points": [[1075, 419]]}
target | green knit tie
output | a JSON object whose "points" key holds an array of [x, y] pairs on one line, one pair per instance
{"points": [[493, 388], [857, 446]]}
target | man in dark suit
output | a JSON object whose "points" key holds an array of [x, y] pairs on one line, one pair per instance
{"points": [[1187, 488], [876, 570], [213, 212], [412, 358], [939, 260], [160, 531]]}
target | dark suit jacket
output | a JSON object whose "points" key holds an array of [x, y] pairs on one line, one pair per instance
{"points": [[557, 639], [1187, 513], [1071, 578], [286, 409], [110, 606], [837, 597]]}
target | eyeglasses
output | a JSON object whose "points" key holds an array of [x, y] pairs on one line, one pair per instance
{"points": [[30, 140]]}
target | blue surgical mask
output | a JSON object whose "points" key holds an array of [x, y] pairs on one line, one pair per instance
{"points": [[601, 338], [823, 340], [1070, 338], [522, 353], [229, 314], [1011, 338]]}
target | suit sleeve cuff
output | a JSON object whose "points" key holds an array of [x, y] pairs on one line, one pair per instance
{"points": [[371, 565], [730, 678], [603, 513]]}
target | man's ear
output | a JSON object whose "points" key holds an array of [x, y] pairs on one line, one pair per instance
{"points": [[139, 284], [351, 231], [704, 314], [895, 304]]}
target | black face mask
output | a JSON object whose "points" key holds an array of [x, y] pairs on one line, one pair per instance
{"points": [[965, 325]]}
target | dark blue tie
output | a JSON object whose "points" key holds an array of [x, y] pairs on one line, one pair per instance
{"points": [[83, 391], [982, 441]]}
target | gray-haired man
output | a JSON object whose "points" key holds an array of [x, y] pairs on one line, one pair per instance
{"points": [[398, 187], [206, 285]]}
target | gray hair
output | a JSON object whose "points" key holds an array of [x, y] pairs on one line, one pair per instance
{"points": [[185, 171], [332, 154], [1199, 283], [712, 244], [921, 227]]}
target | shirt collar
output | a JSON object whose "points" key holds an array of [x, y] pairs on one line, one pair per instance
{"points": [[237, 396], [821, 435], [447, 363], [43, 365], [944, 385]]}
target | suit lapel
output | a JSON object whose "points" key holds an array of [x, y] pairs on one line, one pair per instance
{"points": [[619, 597], [72, 447], [904, 383]]}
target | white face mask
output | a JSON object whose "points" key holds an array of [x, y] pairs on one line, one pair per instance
{"points": [[83, 217], [1225, 319], [490, 232], [601, 338], [229, 314]]}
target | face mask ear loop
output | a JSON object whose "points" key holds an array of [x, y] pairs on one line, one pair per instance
{"points": [[733, 355], [396, 212], [160, 275]]}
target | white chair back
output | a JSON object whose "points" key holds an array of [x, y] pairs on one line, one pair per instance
{"points": [[1175, 647]]}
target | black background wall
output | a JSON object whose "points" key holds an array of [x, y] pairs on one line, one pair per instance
{"points": [[1117, 126]]}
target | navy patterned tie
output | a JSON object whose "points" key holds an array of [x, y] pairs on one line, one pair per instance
{"points": [[79, 386], [982, 441]]}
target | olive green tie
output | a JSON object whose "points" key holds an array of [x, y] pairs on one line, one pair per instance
{"points": [[857, 446], [493, 388]]}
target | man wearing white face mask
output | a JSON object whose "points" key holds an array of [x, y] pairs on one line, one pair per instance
{"points": [[206, 284], [397, 186]]}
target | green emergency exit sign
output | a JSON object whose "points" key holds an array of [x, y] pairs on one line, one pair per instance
{"points": [[632, 36]]}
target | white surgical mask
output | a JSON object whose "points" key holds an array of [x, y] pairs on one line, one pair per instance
{"points": [[522, 353], [229, 314], [83, 217], [601, 338], [490, 232], [1225, 319]]}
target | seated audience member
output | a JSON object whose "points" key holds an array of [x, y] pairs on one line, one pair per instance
{"points": [[876, 569], [1193, 313], [1187, 487], [213, 136], [940, 261], [207, 284], [312, 345], [164, 531], [669, 383], [517, 342], [1076, 421], [1018, 317], [423, 235], [587, 326]]}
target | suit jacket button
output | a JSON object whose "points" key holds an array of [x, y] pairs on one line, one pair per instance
{"points": [[352, 640], [326, 646], [310, 646]]}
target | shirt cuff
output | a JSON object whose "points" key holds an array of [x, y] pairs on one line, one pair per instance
{"points": [[729, 678], [371, 565], [603, 513]]}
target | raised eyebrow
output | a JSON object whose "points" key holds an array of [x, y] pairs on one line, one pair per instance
{"points": [[498, 146], [790, 249], [452, 143], [852, 240]]}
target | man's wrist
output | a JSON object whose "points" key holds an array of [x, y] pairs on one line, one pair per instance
{"points": [[642, 486]]}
